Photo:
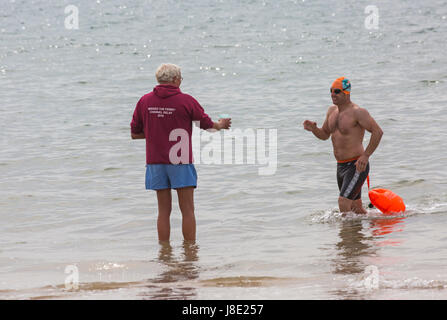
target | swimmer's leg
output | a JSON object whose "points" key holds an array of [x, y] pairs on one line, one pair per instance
{"points": [[348, 205], [344, 204], [357, 207]]}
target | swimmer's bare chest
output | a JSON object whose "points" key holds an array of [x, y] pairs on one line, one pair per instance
{"points": [[346, 133], [343, 123]]}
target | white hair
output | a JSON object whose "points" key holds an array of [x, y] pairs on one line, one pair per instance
{"points": [[167, 72]]}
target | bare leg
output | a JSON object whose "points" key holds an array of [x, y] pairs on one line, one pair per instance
{"points": [[186, 203], [164, 213], [357, 207], [344, 204]]}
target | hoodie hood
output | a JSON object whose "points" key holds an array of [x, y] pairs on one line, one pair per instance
{"points": [[165, 91]]}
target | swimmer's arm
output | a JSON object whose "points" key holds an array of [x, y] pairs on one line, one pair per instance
{"points": [[366, 121], [322, 133]]}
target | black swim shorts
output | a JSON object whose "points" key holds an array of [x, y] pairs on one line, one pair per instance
{"points": [[350, 181]]}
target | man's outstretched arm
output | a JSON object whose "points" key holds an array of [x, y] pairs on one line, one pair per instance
{"points": [[223, 123]]}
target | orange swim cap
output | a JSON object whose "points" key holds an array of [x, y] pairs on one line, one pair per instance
{"points": [[343, 84]]}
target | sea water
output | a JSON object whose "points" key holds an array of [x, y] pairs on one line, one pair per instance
{"points": [[77, 222]]}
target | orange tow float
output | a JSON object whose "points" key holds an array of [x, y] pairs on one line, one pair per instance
{"points": [[385, 200]]}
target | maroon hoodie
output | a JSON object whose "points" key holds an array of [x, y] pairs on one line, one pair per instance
{"points": [[160, 112]]}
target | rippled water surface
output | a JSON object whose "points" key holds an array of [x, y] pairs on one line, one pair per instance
{"points": [[72, 181]]}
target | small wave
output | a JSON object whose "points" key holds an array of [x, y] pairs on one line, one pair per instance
{"points": [[437, 206], [425, 30], [242, 281], [432, 207], [429, 83], [408, 183], [327, 216], [60, 291], [109, 266], [414, 283], [332, 216], [111, 169], [405, 284]]}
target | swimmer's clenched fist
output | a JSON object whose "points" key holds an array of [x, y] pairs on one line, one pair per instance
{"points": [[309, 125]]}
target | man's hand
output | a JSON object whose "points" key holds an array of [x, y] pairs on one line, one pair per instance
{"points": [[224, 123], [320, 133], [362, 162], [309, 125], [137, 135]]}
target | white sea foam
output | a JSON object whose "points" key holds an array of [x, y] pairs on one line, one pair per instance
{"points": [[363, 283], [333, 215]]}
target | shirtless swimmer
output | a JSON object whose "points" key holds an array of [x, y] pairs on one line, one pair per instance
{"points": [[346, 123]]}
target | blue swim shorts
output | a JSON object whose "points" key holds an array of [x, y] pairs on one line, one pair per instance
{"points": [[170, 176]]}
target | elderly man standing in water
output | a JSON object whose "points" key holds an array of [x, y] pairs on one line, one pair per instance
{"points": [[164, 118], [346, 123]]}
